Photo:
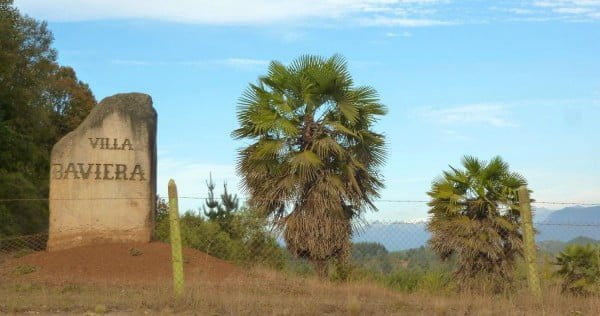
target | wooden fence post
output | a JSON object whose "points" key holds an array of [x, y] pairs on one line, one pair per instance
{"points": [[175, 237], [529, 242]]}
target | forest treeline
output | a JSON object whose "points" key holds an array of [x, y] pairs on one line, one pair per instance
{"points": [[40, 101]]}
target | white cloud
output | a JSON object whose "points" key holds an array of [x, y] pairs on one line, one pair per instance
{"points": [[558, 3], [365, 13], [399, 21], [574, 10], [521, 11], [489, 114], [581, 9], [222, 12], [402, 34], [518, 11]]}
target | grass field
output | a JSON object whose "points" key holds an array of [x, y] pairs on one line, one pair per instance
{"points": [[108, 279], [264, 292]]}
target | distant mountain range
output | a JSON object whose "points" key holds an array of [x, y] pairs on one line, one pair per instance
{"points": [[576, 214], [560, 225], [570, 222]]}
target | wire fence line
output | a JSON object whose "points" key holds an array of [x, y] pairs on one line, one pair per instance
{"points": [[393, 250], [387, 249], [37, 241], [383, 247], [276, 200], [394, 234]]}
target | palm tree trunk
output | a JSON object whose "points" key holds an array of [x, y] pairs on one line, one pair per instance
{"points": [[320, 268]]}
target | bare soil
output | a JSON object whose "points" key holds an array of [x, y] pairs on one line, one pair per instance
{"points": [[115, 263]]}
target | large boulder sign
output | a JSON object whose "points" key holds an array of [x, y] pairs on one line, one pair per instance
{"points": [[103, 176]]}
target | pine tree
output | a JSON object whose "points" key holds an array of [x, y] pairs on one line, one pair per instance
{"points": [[230, 203], [221, 212], [211, 209]]}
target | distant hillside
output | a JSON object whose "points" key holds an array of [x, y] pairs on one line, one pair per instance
{"points": [[569, 223], [576, 214], [541, 214]]}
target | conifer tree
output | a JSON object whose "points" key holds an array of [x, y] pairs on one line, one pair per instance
{"points": [[211, 209], [221, 211]]}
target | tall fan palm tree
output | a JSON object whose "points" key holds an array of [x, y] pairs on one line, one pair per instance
{"points": [[475, 215], [313, 159]]}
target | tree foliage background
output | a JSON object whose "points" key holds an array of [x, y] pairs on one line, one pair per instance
{"points": [[40, 101]]}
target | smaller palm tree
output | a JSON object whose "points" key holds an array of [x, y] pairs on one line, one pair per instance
{"points": [[579, 266], [475, 216]]}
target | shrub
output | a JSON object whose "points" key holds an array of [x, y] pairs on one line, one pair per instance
{"points": [[243, 239], [135, 252], [417, 280], [22, 253], [405, 280], [25, 269], [438, 282], [100, 309], [579, 267]]}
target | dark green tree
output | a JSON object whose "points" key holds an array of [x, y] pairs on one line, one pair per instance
{"points": [[211, 209], [69, 100], [313, 159], [221, 210], [475, 216], [229, 203], [368, 250], [40, 101]]}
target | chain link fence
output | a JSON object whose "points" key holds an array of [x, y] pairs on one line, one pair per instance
{"points": [[397, 252], [247, 240]]}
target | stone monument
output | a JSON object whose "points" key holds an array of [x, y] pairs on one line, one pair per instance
{"points": [[103, 176]]}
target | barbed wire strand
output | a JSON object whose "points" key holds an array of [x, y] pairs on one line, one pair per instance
{"points": [[247, 199]]}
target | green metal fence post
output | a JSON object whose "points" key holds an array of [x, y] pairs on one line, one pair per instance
{"points": [[175, 236], [529, 242]]}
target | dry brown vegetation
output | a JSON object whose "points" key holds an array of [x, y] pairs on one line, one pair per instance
{"points": [[263, 292], [109, 279]]}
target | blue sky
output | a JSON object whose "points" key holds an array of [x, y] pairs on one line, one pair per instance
{"points": [[520, 79]]}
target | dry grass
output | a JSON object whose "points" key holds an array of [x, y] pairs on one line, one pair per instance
{"points": [[273, 293]]}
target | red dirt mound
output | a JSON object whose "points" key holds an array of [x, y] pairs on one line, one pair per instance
{"points": [[116, 263]]}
